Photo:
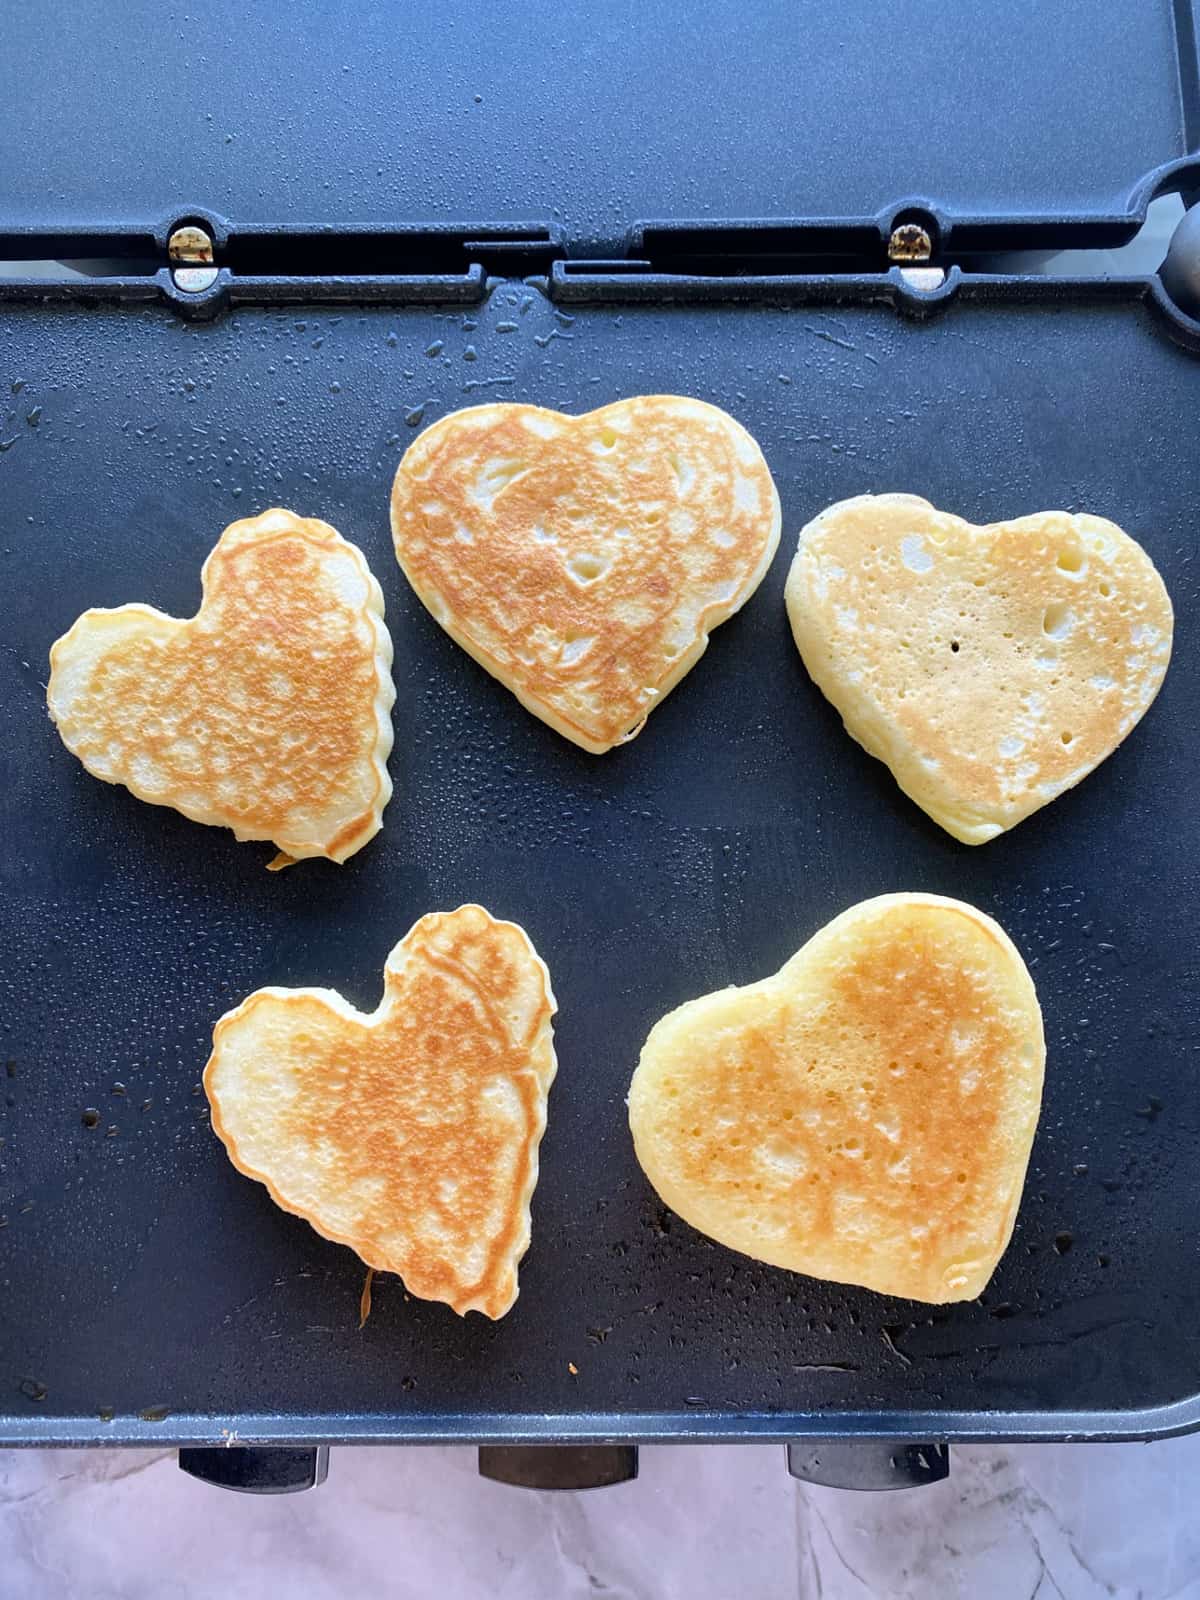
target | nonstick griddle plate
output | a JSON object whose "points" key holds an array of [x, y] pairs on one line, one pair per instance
{"points": [[143, 1281]]}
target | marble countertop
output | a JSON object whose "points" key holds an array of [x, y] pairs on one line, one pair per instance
{"points": [[1027, 1522]]}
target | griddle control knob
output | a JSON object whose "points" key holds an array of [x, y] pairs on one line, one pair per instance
{"points": [[1180, 272], [559, 1466], [868, 1463], [252, 1470]]}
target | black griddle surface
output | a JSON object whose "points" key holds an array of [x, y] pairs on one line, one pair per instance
{"points": [[592, 118], [138, 1270]]}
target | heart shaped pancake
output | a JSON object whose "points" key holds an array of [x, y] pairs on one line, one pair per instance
{"points": [[866, 1114], [268, 712], [990, 667], [410, 1134], [584, 560]]}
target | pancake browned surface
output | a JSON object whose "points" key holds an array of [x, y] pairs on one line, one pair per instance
{"points": [[410, 1134], [866, 1114], [990, 667], [269, 712], [584, 560]]}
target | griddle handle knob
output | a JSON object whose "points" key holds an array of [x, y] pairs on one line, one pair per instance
{"points": [[251, 1470], [1180, 272], [559, 1466], [868, 1463]]}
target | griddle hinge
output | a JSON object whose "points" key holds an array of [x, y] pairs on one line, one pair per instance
{"points": [[889, 257], [913, 256], [202, 266]]}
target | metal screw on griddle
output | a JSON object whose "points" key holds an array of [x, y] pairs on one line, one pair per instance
{"points": [[909, 243], [910, 249], [191, 252]]}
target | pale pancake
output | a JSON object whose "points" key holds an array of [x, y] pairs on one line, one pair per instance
{"points": [[268, 712], [584, 560], [410, 1133], [866, 1114], [990, 667]]}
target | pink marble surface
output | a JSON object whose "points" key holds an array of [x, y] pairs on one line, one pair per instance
{"points": [[1055, 1522]]}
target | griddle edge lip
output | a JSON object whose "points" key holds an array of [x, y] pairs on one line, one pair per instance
{"points": [[691, 1427]]}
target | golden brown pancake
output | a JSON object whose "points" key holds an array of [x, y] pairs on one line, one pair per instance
{"points": [[268, 712], [990, 667], [410, 1133], [866, 1114], [584, 560]]}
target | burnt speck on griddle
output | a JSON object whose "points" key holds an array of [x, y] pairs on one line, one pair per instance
{"points": [[436, 348], [470, 353], [32, 1389], [1150, 1111], [1102, 1260], [1003, 1311], [408, 1384], [17, 385], [90, 1117], [1063, 1243], [415, 416], [155, 1414], [106, 1413], [34, 417]]}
